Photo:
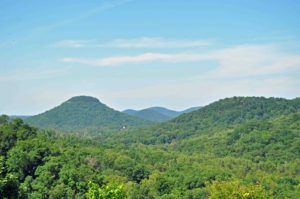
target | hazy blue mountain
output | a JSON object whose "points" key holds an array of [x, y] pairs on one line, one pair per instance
{"points": [[157, 114], [83, 112], [19, 116], [164, 111], [218, 116], [130, 111], [190, 109], [150, 115]]}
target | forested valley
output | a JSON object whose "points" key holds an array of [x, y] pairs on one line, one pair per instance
{"points": [[240, 147]]}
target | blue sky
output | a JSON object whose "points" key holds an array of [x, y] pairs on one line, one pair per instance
{"points": [[140, 53]]}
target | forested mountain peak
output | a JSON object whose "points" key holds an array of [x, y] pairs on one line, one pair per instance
{"points": [[83, 98], [238, 109], [215, 151], [86, 101], [217, 116], [83, 112], [235, 110]]}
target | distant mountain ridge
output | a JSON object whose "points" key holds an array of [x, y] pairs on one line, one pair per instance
{"points": [[19, 116], [158, 114], [220, 115], [81, 113]]}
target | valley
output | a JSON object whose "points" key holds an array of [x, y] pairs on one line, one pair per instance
{"points": [[137, 99], [240, 147]]}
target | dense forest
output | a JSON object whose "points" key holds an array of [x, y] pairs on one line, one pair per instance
{"points": [[241, 147], [84, 113]]}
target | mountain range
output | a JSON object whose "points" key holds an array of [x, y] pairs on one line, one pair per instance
{"points": [[88, 113], [215, 117], [239, 147], [158, 114]]}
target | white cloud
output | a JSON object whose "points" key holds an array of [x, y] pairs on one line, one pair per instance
{"points": [[245, 70], [138, 59], [142, 42], [243, 60], [248, 60]]}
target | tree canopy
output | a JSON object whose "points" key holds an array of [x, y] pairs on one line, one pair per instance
{"points": [[229, 155]]}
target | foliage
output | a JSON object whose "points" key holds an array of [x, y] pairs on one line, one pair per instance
{"points": [[109, 191], [84, 114], [256, 156], [4, 119], [236, 190]]}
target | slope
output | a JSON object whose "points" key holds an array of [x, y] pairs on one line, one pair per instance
{"points": [[81, 113], [158, 114], [217, 116], [250, 159], [192, 109], [154, 114]]}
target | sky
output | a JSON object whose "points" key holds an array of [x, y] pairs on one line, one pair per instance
{"points": [[140, 53]]}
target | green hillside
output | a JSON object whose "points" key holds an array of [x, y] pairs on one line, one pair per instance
{"points": [[216, 116], [240, 148], [82, 113], [236, 110]]}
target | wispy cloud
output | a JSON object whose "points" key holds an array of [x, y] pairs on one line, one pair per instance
{"points": [[251, 60], [142, 42], [245, 70], [138, 59], [243, 60]]}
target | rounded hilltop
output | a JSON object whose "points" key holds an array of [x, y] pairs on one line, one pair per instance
{"points": [[83, 98]]}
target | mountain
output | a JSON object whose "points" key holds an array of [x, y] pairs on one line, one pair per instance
{"points": [[164, 111], [233, 148], [130, 111], [149, 114], [220, 115], [157, 114], [230, 111], [19, 116], [154, 114], [190, 109], [81, 113]]}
